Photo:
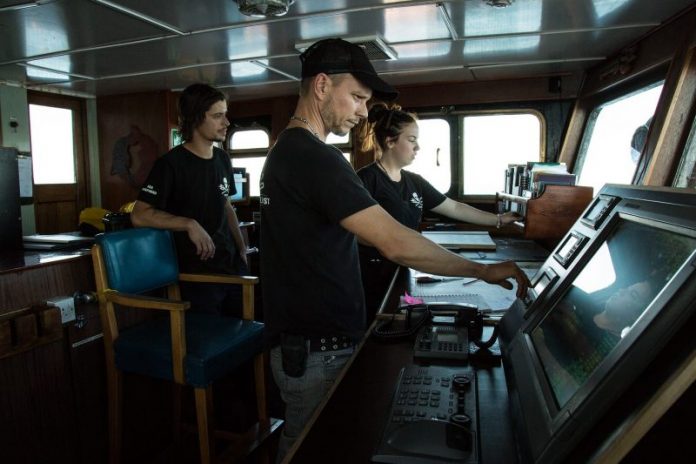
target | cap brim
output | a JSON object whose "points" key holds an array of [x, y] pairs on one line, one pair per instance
{"points": [[380, 89]]}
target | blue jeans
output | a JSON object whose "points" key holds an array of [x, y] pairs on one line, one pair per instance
{"points": [[302, 395]]}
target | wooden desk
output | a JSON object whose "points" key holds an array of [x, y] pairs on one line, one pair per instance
{"points": [[52, 393], [28, 278]]}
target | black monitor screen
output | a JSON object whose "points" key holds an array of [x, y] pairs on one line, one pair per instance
{"points": [[604, 301]]}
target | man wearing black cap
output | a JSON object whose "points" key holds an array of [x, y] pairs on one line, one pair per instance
{"points": [[312, 207]]}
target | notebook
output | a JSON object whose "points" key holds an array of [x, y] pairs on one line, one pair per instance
{"points": [[462, 240], [55, 241]]}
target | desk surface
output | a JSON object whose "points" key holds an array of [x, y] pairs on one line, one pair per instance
{"points": [[21, 260], [349, 426]]}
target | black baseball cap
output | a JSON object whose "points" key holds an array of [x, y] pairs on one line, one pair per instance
{"points": [[337, 56]]}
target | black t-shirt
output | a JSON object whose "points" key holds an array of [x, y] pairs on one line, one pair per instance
{"points": [[404, 200], [310, 272], [184, 184]]}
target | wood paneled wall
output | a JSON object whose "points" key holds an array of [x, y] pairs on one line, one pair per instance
{"points": [[34, 285], [133, 132]]}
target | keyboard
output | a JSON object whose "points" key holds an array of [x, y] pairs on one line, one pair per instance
{"points": [[432, 418]]}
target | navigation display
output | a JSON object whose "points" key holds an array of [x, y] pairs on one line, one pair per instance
{"points": [[604, 301]]}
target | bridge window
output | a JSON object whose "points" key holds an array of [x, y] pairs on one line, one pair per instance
{"points": [[249, 139], [248, 148], [433, 159], [614, 139], [492, 141], [343, 143], [686, 176]]}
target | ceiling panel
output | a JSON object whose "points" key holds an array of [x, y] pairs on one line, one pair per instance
{"points": [[475, 18], [192, 16], [177, 80], [523, 70], [96, 48], [548, 46], [258, 41], [66, 25]]}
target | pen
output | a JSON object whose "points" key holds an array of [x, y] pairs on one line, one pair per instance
{"points": [[470, 281], [430, 279]]}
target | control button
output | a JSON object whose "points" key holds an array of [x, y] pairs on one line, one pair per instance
{"points": [[461, 382]]}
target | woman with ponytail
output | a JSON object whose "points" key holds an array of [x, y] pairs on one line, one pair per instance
{"points": [[392, 135]]}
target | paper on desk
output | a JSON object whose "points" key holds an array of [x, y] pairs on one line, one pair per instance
{"points": [[482, 294]]}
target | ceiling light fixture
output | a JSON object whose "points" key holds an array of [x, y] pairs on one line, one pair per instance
{"points": [[264, 8], [499, 3], [21, 5]]}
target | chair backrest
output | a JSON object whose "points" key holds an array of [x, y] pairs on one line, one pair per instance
{"points": [[139, 260]]}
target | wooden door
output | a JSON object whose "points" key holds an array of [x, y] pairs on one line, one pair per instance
{"points": [[57, 205]]}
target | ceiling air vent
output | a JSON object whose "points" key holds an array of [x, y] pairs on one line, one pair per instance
{"points": [[376, 48]]}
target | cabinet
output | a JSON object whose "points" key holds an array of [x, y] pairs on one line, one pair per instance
{"points": [[551, 214]]}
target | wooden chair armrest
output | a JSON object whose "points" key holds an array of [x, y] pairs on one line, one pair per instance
{"points": [[145, 302], [219, 278], [247, 282]]}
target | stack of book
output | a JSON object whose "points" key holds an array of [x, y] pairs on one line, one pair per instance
{"points": [[543, 174]]}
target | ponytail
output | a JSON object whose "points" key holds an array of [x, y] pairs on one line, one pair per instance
{"points": [[382, 123]]}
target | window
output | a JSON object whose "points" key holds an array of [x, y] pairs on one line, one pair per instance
{"points": [[249, 139], [433, 159], [614, 138], [248, 148], [254, 166], [52, 146], [343, 143], [686, 175], [492, 141]]}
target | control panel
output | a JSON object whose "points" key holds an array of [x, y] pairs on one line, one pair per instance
{"points": [[432, 418]]}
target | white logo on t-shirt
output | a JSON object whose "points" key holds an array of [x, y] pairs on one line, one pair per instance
{"points": [[149, 188], [417, 201], [224, 187]]}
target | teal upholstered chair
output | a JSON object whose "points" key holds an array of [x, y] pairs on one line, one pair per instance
{"points": [[187, 348]]}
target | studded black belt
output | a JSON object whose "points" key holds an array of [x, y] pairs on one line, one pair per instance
{"points": [[330, 343]]}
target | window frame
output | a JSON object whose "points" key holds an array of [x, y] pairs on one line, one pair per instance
{"points": [[457, 187], [246, 152], [453, 139], [596, 101], [685, 174]]}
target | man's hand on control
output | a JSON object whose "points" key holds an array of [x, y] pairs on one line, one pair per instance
{"points": [[499, 273]]}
